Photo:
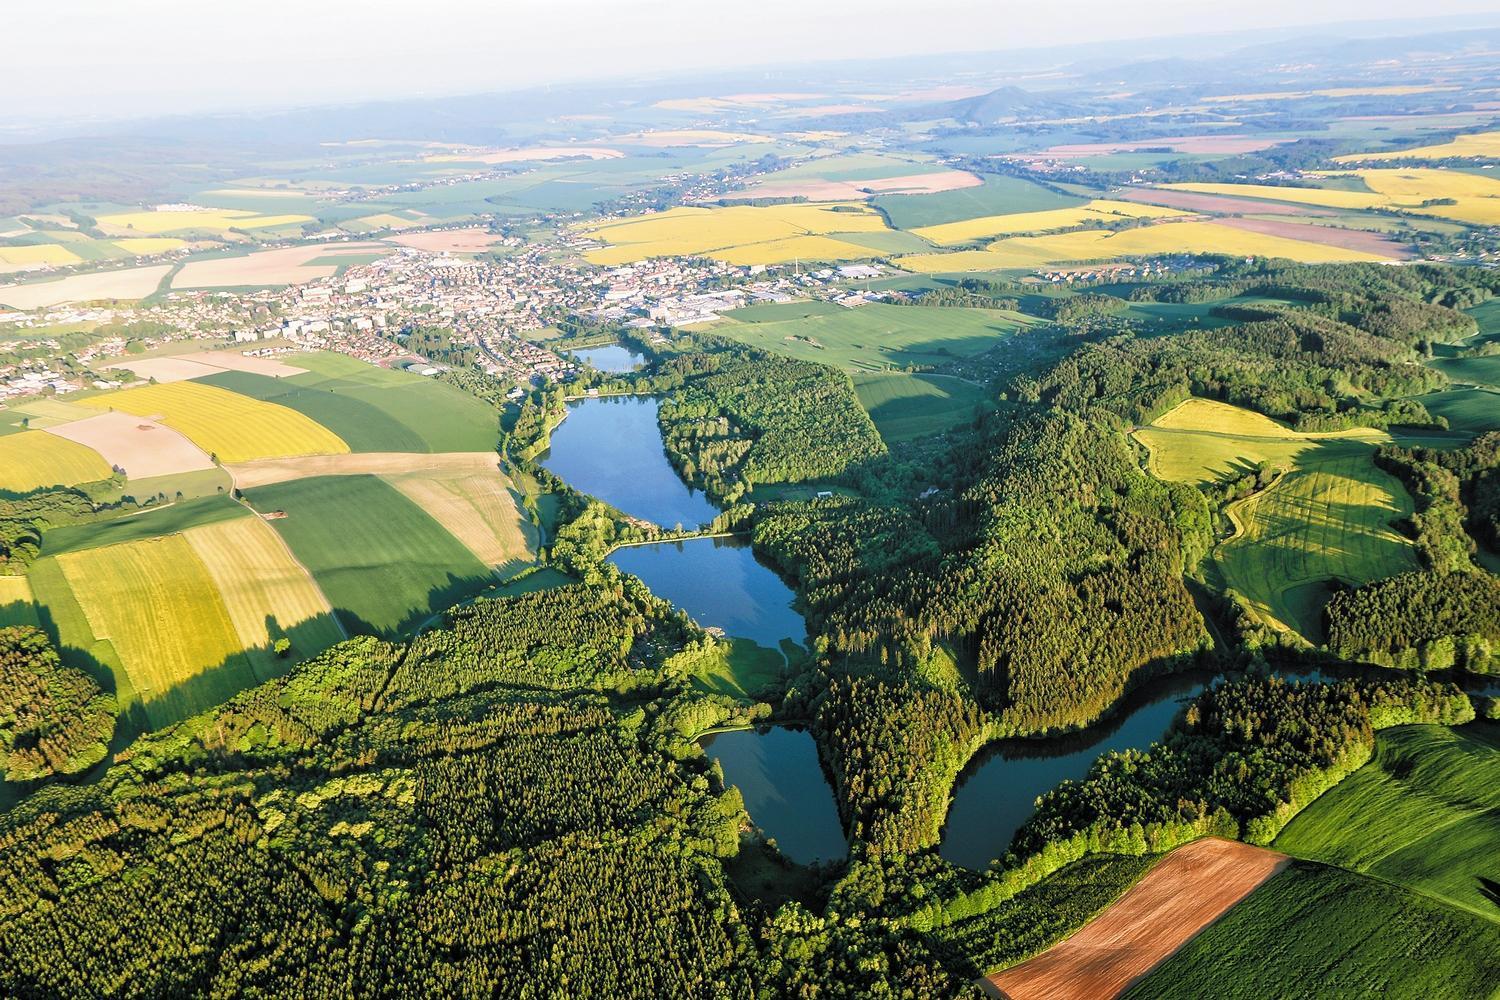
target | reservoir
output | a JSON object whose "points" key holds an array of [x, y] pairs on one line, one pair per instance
{"points": [[611, 448], [613, 358], [786, 793], [721, 584]]}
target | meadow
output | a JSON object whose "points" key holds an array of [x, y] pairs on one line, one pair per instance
{"points": [[30, 460], [877, 337], [383, 563], [906, 406], [740, 234], [1316, 931], [1327, 516], [226, 425], [1424, 812], [998, 195], [1482, 370], [374, 409], [1470, 411]]}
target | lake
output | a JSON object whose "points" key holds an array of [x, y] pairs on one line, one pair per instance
{"points": [[613, 358], [786, 793], [610, 447], [720, 583]]}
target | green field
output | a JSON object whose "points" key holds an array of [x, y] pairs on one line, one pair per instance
{"points": [[383, 563], [906, 406], [1476, 371], [1425, 812], [742, 671], [374, 409], [1322, 933], [1472, 411], [771, 312], [139, 527], [996, 196], [877, 337]]}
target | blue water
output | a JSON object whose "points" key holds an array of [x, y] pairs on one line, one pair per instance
{"points": [[611, 358], [785, 791], [720, 583], [610, 447]]}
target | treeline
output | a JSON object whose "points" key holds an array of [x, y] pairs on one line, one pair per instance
{"points": [[441, 344], [478, 383], [54, 720], [750, 418], [1240, 761], [25, 517]]}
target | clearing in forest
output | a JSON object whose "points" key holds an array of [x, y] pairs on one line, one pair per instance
{"points": [[1187, 890], [1328, 515], [33, 459], [906, 406], [232, 427]]}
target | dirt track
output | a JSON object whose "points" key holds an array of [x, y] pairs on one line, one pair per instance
{"points": [[1188, 890]]}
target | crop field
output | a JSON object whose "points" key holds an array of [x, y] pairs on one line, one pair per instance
{"points": [[157, 604], [1476, 199], [130, 283], [1320, 932], [1184, 893], [1099, 244], [1471, 411], [287, 266], [878, 336], [42, 253], [1477, 144], [196, 364], [998, 195], [15, 602], [906, 406], [265, 593], [1425, 812], [478, 509], [383, 563], [375, 409], [143, 448], [449, 240], [1097, 212], [933, 179], [1328, 516], [143, 526], [269, 471], [739, 234], [1320, 197], [141, 246], [219, 221], [233, 427], [32, 459], [1483, 370]]}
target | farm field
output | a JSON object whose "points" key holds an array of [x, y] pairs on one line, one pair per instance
{"points": [[906, 406], [1097, 212], [1424, 812], [1471, 411], [1328, 516], [130, 283], [388, 566], [1320, 932], [156, 604], [142, 447], [375, 409], [1184, 893], [265, 593], [196, 364], [1477, 144], [878, 336], [287, 266], [33, 459], [1317, 197], [41, 253], [1099, 244], [144, 525], [479, 509], [998, 195], [219, 222], [280, 470], [15, 602], [227, 425], [1483, 370], [740, 234]]}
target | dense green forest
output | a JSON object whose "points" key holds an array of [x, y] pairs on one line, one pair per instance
{"points": [[54, 720]]}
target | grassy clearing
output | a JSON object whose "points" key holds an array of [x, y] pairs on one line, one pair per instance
{"points": [[266, 594], [233, 427], [744, 670], [739, 234], [1328, 516], [996, 196], [1425, 812], [878, 337], [157, 604], [1483, 371], [375, 409], [1319, 932], [906, 406], [383, 563], [32, 459]]}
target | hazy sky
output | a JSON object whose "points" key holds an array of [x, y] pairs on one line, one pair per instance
{"points": [[128, 58]]}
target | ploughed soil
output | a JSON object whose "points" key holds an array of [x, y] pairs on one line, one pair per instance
{"points": [[1213, 204], [1347, 239], [1189, 889]]}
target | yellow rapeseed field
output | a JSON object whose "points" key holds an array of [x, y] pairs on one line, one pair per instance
{"points": [[33, 459], [1476, 199], [1485, 144], [731, 233], [1095, 212], [1099, 244], [233, 427], [41, 253], [1297, 195]]}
